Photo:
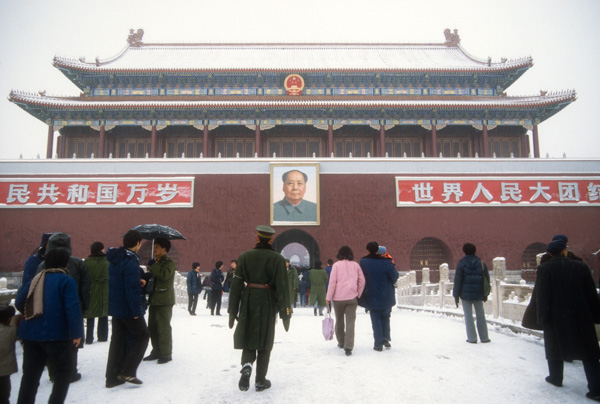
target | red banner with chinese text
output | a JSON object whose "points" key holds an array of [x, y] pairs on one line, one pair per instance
{"points": [[96, 192], [497, 191]]}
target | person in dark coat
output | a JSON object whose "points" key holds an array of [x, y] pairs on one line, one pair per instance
{"points": [[259, 291], [193, 287], [303, 288], [52, 325], [97, 268], [567, 309], [76, 270], [207, 286], [216, 278], [229, 277], [379, 294], [470, 274], [126, 305]]}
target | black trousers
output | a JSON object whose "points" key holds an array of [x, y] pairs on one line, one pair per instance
{"points": [[5, 389], [590, 367], [262, 364], [192, 302], [120, 359], [35, 355], [215, 301], [102, 329]]}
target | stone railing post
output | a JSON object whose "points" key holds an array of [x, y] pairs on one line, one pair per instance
{"points": [[499, 265], [444, 273], [425, 275]]}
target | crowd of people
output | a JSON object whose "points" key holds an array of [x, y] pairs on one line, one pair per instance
{"points": [[59, 291]]}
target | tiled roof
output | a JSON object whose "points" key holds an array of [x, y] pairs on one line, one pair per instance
{"points": [[291, 57], [293, 102]]}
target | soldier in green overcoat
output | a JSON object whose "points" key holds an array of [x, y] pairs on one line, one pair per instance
{"points": [[97, 268], [259, 291], [318, 292], [294, 282], [161, 303]]}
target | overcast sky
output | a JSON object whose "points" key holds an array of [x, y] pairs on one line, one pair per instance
{"points": [[561, 37]]}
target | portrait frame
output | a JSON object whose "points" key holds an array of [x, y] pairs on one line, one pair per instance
{"points": [[311, 195]]}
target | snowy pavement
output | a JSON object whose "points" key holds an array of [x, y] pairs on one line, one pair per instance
{"points": [[429, 362]]}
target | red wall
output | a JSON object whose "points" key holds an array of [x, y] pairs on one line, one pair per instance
{"points": [[355, 209]]}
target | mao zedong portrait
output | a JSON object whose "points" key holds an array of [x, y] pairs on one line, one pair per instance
{"points": [[293, 207]]}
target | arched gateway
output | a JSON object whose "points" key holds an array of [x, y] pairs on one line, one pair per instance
{"points": [[296, 242]]}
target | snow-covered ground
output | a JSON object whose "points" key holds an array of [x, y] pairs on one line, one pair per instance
{"points": [[429, 362]]}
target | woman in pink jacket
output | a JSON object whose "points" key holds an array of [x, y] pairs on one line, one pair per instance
{"points": [[346, 284]]}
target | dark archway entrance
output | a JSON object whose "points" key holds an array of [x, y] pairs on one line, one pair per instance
{"points": [[529, 261], [301, 237], [429, 252]]}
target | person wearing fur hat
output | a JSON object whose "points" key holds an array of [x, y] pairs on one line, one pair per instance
{"points": [[8, 358], [567, 309]]}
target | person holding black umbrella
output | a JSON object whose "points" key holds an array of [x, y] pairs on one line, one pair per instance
{"points": [[161, 303]]}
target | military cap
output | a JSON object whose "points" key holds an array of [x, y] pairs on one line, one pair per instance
{"points": [[265, 231], [556, 246]]}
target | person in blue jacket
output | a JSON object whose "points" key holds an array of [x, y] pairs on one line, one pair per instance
{"points": [[126, 305], [379, 294], [194, 286], [470, 274], [52, 324], [217, 279]]}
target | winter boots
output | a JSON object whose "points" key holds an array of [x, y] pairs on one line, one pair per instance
{"points": [[263, 386], [244, 383]]}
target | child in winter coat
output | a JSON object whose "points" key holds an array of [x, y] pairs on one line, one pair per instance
{"points": [[8, 358]]}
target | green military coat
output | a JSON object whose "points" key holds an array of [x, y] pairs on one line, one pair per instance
{"points": [[97, 268], [318, 292], [294, 282], [164, 278], [256, 308]]}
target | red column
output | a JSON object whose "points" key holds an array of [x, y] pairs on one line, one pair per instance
{"points": [[153, 142], [330, 141], [101, 141], [381, 141], [536, 142], [205, 141], [434, 151], [257, 141], [50, 142], [486, 144]]}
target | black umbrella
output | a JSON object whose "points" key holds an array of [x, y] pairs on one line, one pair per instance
{"points": [[154, 231]]}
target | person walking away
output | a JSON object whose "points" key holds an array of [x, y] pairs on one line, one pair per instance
{"points": [[96, 265], [207, 286], [346, 285], [293, 281], [127, 306], [259, 291], [216, 278], [380, 276], [161, 303], [567, 309], [470, 275], [318, 278], [52, 325], [193, 287], [303, 288], [8, 357]]}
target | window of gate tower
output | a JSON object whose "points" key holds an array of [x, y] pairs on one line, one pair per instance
{"points": [[231, 147], [290, 147], [359, 147]]}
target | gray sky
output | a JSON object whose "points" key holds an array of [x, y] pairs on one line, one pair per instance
{"points": [[561, 37]]}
